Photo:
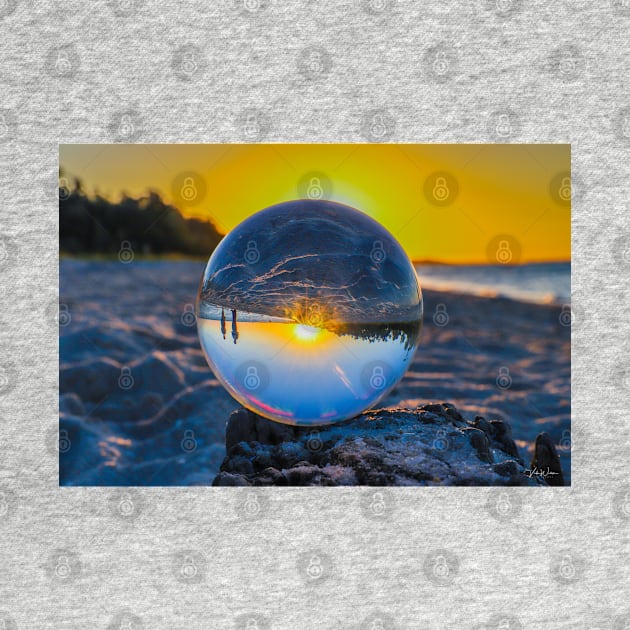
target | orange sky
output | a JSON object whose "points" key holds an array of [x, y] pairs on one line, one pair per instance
{"points": [[449, 203]]}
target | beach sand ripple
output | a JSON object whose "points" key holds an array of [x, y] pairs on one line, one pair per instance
{"points": [[139, 405]]}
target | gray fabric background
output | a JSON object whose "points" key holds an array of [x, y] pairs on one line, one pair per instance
{"points": [[560, 71]]}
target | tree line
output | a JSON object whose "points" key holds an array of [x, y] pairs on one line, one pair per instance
{"points": [[147, 225]]}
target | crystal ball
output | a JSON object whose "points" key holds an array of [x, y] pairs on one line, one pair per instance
{"points": [[309, 312]]}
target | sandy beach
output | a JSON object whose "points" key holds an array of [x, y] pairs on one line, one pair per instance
{"points": [[139, 405]]}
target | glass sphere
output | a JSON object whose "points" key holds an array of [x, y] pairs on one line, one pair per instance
{"points": [[309, 312]]}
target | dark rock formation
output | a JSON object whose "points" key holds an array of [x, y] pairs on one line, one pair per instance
{"points": [[545, 462], [430, 445]]}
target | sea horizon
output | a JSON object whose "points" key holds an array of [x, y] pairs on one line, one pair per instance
{"points": [[538, 283]]}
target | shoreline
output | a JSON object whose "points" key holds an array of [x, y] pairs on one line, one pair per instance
{"points": [[140, 260]]}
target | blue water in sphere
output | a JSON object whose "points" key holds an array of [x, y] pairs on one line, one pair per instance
{"points": [[309, 312]]}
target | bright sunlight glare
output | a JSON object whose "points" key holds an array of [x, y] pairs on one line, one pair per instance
{"points": [[305, 333]]}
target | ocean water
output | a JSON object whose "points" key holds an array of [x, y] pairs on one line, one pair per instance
{"points": [[544, 283], [300, 374]]}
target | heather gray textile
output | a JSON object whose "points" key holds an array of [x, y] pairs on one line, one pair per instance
{"points": [[259, 70]]}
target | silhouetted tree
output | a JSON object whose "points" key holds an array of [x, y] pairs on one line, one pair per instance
{"points": [[147, 224]]}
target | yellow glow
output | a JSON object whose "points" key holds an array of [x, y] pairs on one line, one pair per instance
{"points": [[306, 333], [503, 189]]}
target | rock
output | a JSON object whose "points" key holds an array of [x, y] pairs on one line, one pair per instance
{"points": [[545, 461], [479, 441], [245, 426], [228, 479], [508, 468], [500, 435], [239, 428], [430, 445]]}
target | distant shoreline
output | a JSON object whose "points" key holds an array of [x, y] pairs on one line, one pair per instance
{"points": [[436, 263], [176, 256], [427, 287]]}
